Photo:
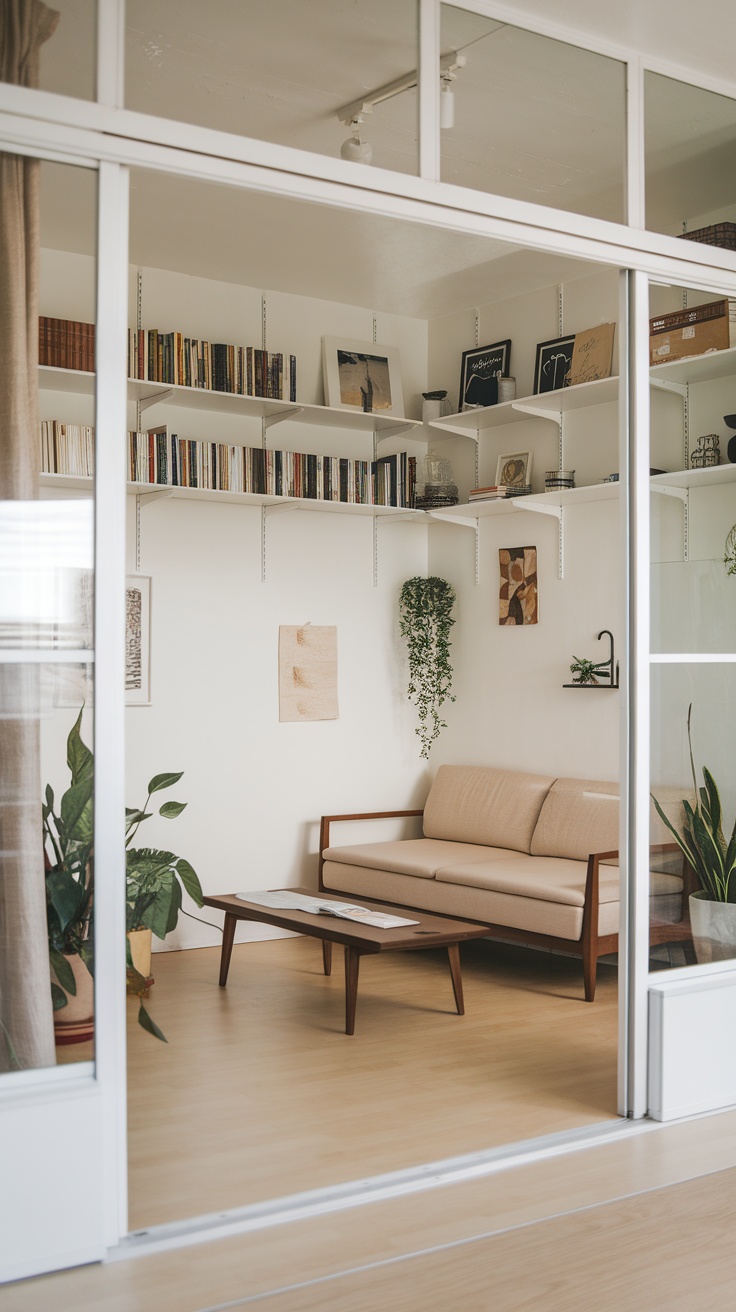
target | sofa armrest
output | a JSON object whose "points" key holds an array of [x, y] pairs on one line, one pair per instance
{"points": [[327, 820]]}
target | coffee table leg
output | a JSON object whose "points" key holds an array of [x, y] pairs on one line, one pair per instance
{"points": [[453, 956], [327, 957], [352, 964], [228, 935]]}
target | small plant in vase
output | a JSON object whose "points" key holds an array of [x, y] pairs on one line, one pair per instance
{"points": [[588, 671]]}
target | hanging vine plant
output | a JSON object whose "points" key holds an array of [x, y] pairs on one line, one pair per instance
{"points": [[425, 611]]}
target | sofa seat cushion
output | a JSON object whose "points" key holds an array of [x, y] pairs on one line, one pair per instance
{"points": [[420, 857], [550, 879], [479, 804]]}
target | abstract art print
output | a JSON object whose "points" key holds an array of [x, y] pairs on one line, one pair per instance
{"points": [[479, 374], [138, 640], [552, 367], [307, 672], [518, 596], [362, 376]]}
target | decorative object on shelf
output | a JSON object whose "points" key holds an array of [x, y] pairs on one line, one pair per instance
{"points": [[556, 479], [713, 860], [592, 354], [716, 234], [307, 672], [518, 596], [506, 389], [514, 470], [138, 640], [362, 376], [552, 365], [730, 422], [68, 857], [479, 374], [425, 620], [434, 405], [707, 454], [595, 674], [729, 558], [684, 333], [154, 882], [435, 488]]}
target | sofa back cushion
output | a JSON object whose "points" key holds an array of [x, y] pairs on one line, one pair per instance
{"points": [[480, 804], [579, 816]]}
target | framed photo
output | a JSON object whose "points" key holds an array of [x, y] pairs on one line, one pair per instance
{"points": [[362, 376], [592, 355], [514, 470], [138, 640], [479, 374], [552, 367]]}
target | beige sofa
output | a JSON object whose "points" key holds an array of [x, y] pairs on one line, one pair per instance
{"points": [[531, 856]]}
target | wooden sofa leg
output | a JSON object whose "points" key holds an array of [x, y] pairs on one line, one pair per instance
{"points": [[590, 965]]}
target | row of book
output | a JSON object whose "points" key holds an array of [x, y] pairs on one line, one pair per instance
{"points": [[498, 491], [158, 357], [67, 448], [164, 459], [66, 344]]}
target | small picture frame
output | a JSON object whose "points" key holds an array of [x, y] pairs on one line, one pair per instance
{"points": [[138, 640], [514, 469], [552, 367], [362, 376], [481, 368]]}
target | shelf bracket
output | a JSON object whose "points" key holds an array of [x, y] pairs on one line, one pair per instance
{"points": [[555, 416], [680, 492], [449, 519], [146, 402], [392, 431], [554, 511], [280, 415], [667, 385], [145, 498]]}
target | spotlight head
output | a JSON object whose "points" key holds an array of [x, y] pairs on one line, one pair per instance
{"points": [[355, 148], [447, 105]]}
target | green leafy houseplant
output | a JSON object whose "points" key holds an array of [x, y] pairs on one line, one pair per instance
{"points": [[425, 620], [701, 839], [68, 839], [588, 671]]}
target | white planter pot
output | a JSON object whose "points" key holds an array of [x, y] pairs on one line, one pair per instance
{"points": [[714, 928]]}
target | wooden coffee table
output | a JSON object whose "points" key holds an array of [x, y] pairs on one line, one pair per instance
{"points": [[431, 931]]}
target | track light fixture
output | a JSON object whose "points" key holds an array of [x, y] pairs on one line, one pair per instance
{"points": [[355, 148], [359, 150]]}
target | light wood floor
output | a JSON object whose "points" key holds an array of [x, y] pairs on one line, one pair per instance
{"points": [[259, 1093]]}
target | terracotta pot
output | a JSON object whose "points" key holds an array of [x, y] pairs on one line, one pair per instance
{"points": [[714, 928], [140, 953], [75, 1022]]}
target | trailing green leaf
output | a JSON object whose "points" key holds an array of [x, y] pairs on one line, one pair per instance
{"points": [[425, 620], [160, 781], [170, 810]]}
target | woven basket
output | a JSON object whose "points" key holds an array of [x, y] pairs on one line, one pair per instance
{"points": [[717, 234]]}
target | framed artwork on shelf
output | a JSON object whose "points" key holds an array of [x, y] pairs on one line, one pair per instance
{"points": [[362, 376], [552, 367], [514, 470], [479, 374], [592, 354], [138, 640]]}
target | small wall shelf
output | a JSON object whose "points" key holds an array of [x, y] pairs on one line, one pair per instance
{"points": [[608, 670]]}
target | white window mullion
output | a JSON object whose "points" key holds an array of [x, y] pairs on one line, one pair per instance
{"points": [[635, 165], [429, 89], [110, 52]]}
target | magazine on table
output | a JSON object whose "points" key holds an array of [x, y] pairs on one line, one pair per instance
{"points": [[285, 900]]}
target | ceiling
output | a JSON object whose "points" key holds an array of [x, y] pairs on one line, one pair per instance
{"points": [[536, 119]]}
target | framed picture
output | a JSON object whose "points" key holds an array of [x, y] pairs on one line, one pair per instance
{"points": [[362, 376], [480, 372], [552, 367], [518, 596], [138, 640], [592, 354], [514, 470]]}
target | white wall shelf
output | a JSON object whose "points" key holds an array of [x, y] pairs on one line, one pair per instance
{"points": [[547, 405], [697, 369]]}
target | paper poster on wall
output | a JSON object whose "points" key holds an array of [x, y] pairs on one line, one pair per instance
{"points": [[138, 640], [592, 354], [518, 596], [308, 672]]}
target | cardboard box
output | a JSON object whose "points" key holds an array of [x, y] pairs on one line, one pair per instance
{"points": [[685, 333]]}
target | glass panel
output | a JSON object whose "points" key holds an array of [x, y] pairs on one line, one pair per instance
{"points": [[694, 510], [46, 616], [690, 137], [229, 67], [534, 118], [710, 690], [54, 49]]}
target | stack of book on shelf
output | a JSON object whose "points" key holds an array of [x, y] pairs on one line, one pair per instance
{"points": [[67, 448], [158, 357], [66, 344], [163, 458], [493, 493]]}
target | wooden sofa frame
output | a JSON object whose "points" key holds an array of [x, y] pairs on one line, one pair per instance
{"points": [[590, 946]]}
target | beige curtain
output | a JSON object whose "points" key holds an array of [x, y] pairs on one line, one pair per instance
{"points": [[26, 1020]]}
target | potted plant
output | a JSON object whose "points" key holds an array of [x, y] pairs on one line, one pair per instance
{"points": [[713, 860], [425, 610], [154, 881], [68, 839]]}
